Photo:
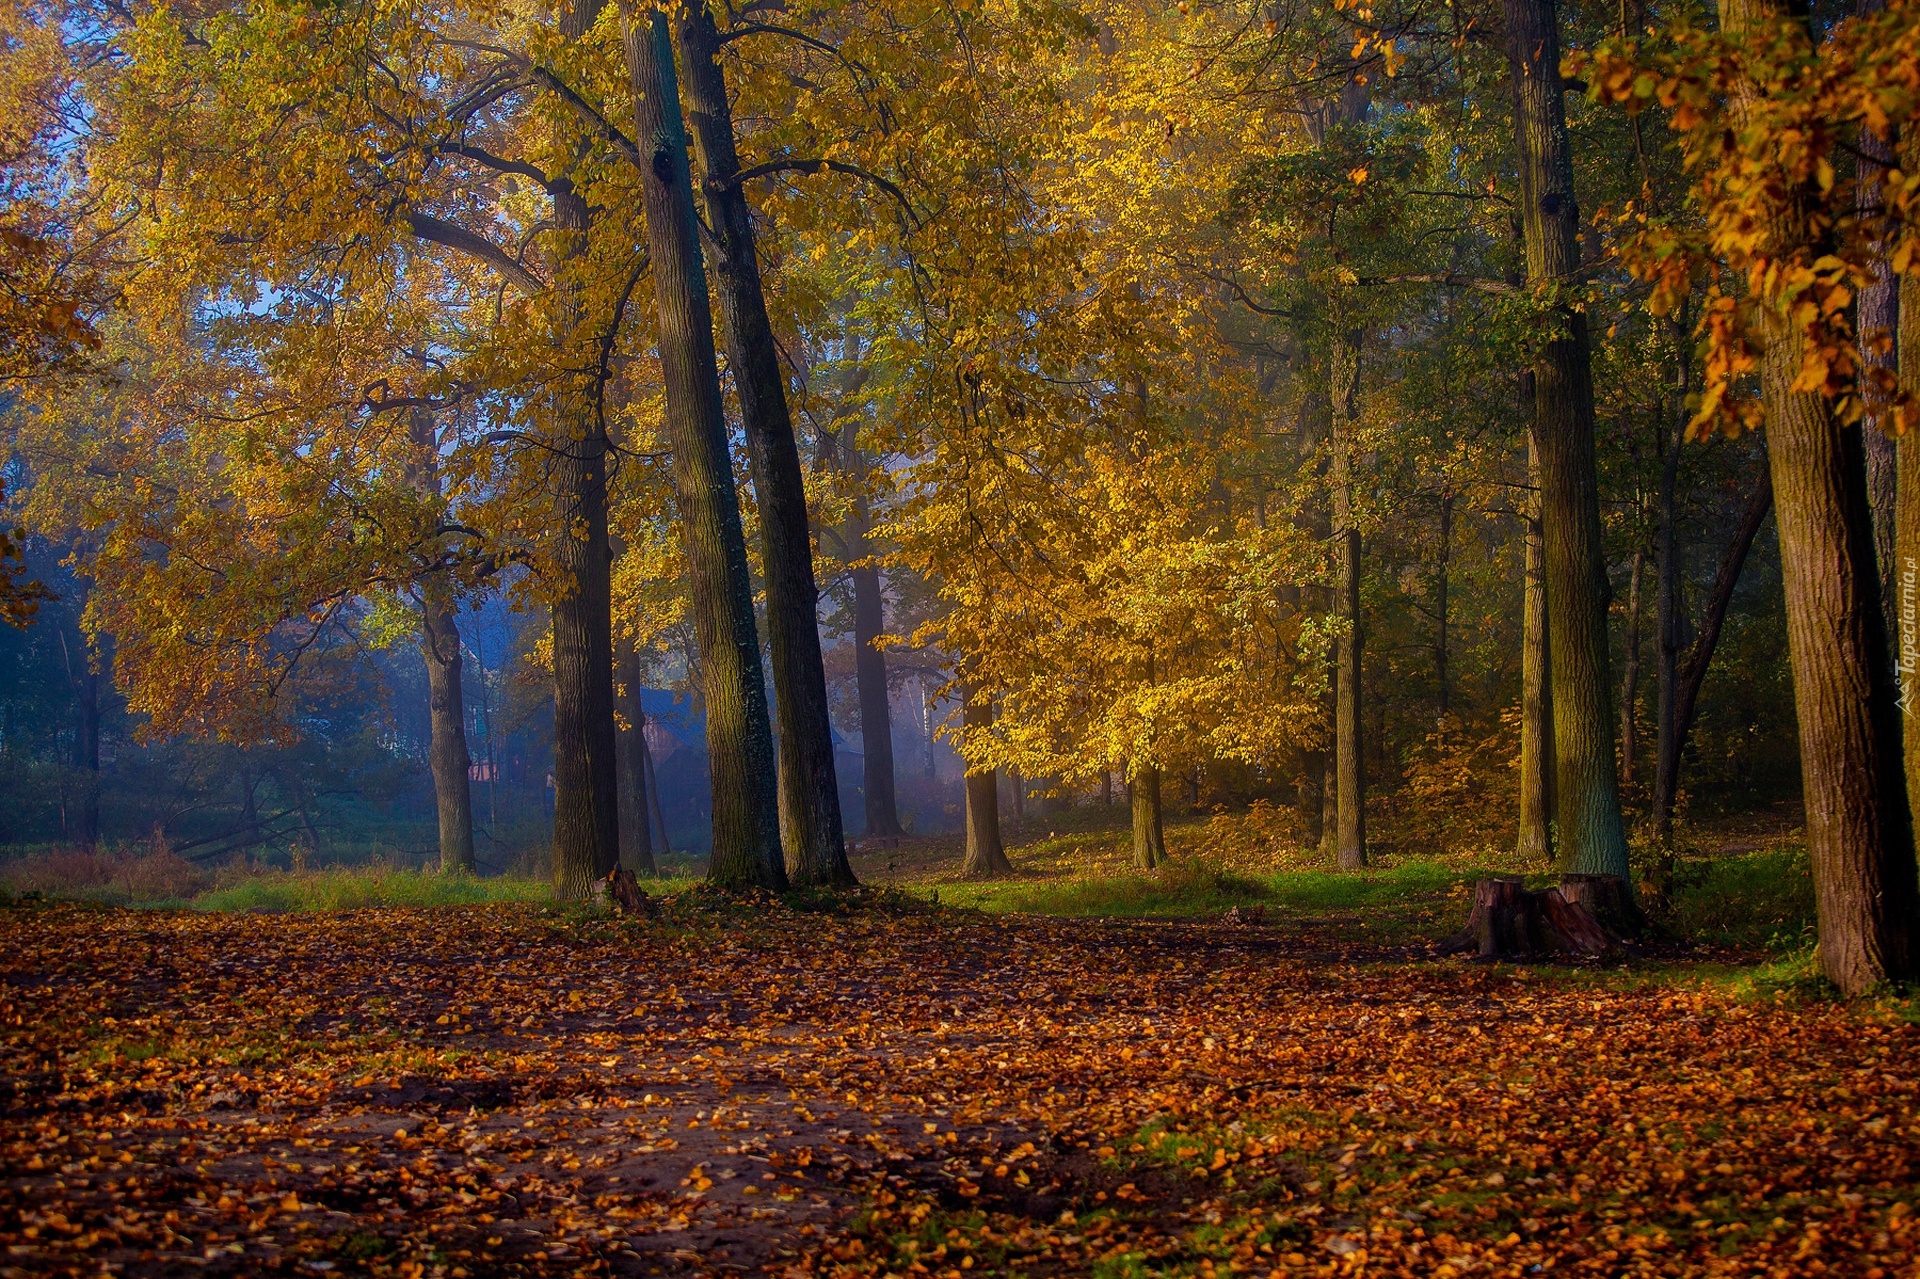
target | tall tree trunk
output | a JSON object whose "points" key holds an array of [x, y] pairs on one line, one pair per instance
{"points": [[1859, 829], [1536, 678], [1350, 832], [1149, 832], [440, 650], [1907, 524], [870, 677], [1666, 761], [1440, 603], [1876, 318], [1630, 678], [636, 813], [586, 804], [747, 850], [811, 827], [1592, 839], [452, 793], [986, 857], [1858, 823]]}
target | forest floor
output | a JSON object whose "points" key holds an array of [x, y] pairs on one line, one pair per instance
{"points": [[886, 1086]]}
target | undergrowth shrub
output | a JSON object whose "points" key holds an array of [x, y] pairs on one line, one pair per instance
{"points": [[1460, 791], [117, 877]]}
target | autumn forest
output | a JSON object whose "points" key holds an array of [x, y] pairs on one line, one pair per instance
{"points": [[883, 637]]}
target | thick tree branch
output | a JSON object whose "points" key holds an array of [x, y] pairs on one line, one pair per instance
{"points": [[499, 164], [768, 28], [1246, 299], [587, 112], [435, 231], [836, 166], [1450, 278]]}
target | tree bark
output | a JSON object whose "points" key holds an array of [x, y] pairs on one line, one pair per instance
{"points": [[1350, 830], [1630, 678], [636, 813], [1149, 832], [1906, 558], [1508, 922], [811, 828], [453, 795], [1859, 828], [1536, 682], [986, 857], [870, 676], [747, 849], [1592, 839], [1858, 823], [586, 803]]}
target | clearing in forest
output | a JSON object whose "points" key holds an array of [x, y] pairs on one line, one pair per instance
{"points": [[889, 1088]]}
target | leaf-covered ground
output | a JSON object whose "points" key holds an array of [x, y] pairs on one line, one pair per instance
{"points": [[509, 1089]]}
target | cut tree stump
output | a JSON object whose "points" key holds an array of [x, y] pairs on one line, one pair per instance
{"points": [[1571, 918], [623, 892], [1607, 899]]}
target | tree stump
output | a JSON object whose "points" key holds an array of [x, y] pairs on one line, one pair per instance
{"points": [[1509, 922], [623, 891], [1608, 899]]}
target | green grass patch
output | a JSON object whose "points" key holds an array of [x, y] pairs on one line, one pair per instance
{"points": [[1180, 889], [343, 889], [1762, 900], [1416, 895]]}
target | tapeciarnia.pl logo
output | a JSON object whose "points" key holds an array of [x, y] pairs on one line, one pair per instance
{"points": [[1908, 665]]}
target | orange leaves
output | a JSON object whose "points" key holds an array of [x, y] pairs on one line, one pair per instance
{"points": [[1585, 1126], [1763, 114]]}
